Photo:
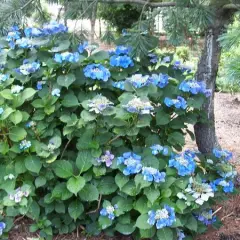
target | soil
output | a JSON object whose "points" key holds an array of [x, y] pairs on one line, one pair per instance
{"points": [[227, 112]]}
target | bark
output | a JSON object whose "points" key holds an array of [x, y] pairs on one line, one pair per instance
{"points": [[93, 22], [207, 71]]}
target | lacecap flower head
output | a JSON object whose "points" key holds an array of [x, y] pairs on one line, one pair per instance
{"points": [[107, 158], [136, 105], [184, 163], [24, 43], [179, 103], [97, 72], [138, 80], [122, 50], [121, 61], [109, 211], [153, 175], [164, 217], [99, 104], [159, 80], [132, 162], [28, 68], [66, 57], [18, 195], [25, 145]]}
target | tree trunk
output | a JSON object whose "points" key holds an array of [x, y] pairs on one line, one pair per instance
{"points": [[207, 71], [93, 22]]}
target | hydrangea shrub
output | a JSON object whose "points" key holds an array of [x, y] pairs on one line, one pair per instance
{"points": [[95, 139]]}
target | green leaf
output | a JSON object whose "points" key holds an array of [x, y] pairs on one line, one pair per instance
{"points": [[142, 223], [147, 233], [75, 184], [176, 138], [56, 141], [131, 189], [6, 113], [62, 46], [162, 118], [16, 117], [4, 148], [33, 164], [66, 80], [84, 160], [87, 116], [192, 223], [27, 93], [75, 209], [63, 169], [107, 186], [125, 229], [70, 100], [89, 193], [40, 181], [140, 182], [99, 56], [121, 180], [165, 234], [152, 194], [17, 134], [141, 205], [6, 93], [104, 222]]}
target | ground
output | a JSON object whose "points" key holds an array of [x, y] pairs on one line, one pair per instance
{"points": [[227, 109]]}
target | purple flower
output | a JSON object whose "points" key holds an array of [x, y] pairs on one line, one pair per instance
{"points": [[107, 158], [206, 217], [180, 102]]}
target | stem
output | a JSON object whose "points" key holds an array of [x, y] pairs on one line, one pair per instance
{"points": [[99, 203], [65, 147]]}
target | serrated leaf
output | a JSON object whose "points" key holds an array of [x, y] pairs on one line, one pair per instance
{"points": [[63, 169], [75, 184], [75, 209]]}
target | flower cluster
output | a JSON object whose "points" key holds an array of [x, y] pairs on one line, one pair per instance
{"points": [[136, 105], [107, 158], [9, 176], [3, 77], [132, 162], [152, 174], [97, 72], [24, 144], [166, 59], [33, 32], [40, 85], [184, 163], [180, 234], [153, 58], [122, 50], [226, 170], [160, 80], [2, 227], [194, 87], [18, 195], [82, 47], [66, 57], [222, 154], [206, 217], [56, 92], [162, 218], [109, 211], [16, 89], [121, 61], [28, 68], [24, 43], [51, 146], [138, 80], [12, 36], [200, 191], [228, 186], [119, 85], [156, 149], [99, 104], [180, 102], [178, 65]]}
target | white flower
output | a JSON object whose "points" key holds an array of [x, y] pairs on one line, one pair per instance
{"points": [[16, 89], [10, 176]]}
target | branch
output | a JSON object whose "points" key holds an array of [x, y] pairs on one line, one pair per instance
{"points": [[142, 2], [232, 6]]}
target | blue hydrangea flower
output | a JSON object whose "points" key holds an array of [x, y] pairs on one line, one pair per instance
{"points": [[132, 162], [222, 154], [25, 145], [160, 80], [33, 32], [153, 58], [166, 59], [201, 191], [2, 227], [109, 211], [54, 28], [1, 110], [107, 158], [119, 84], [206, 217], [31, 124], [56, 92], [82, 47], [23, 43], [180, 102], [16, 89], [180, 234], [228, 186], [162, 218], [28, 68], [122, 50], [12, 36], [156, 149], [3, 77], [184, 163], [66, 57], [178, 65], [121, 61], [153, 175], [99, 104], [40, 85], [97, 72], [136, 105], [138, 80]]}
